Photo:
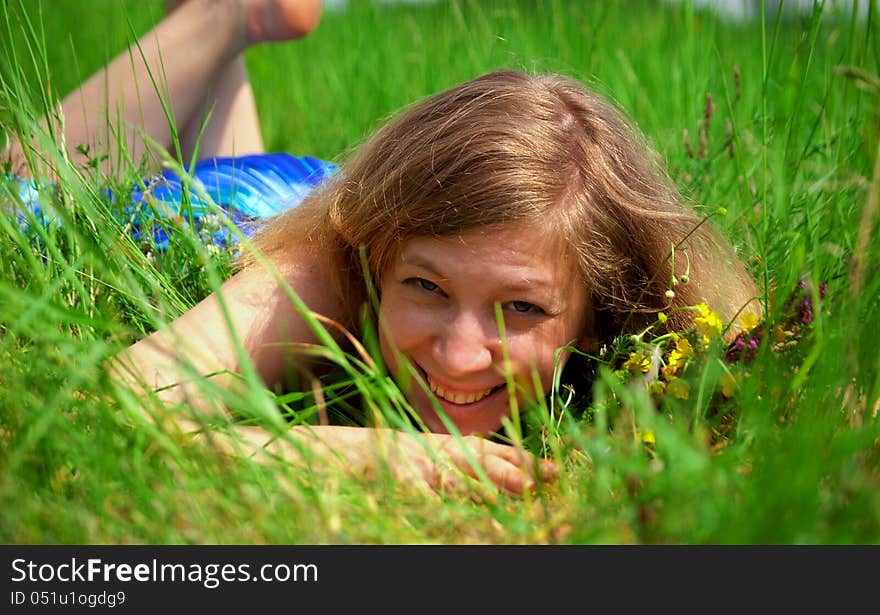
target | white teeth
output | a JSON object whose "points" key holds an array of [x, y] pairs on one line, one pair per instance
{"points": [[457, 398]]}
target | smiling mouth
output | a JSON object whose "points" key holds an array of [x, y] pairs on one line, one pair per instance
{"points": [[460, 399]]}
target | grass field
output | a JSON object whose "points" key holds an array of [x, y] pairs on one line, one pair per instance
{"points": [[788, 148]]}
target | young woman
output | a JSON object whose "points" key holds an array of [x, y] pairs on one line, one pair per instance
{"points": [[528, 195]]}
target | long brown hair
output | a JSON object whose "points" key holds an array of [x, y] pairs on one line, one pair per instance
{"points": [[511, 147]]}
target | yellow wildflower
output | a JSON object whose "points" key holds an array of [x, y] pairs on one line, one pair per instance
{"points": [[648, 437], [683, 347], [728, 385], [672, 366], [748, 321], [678, 357], [657, 387], [708, 323], [638, 362], [678, 388]]}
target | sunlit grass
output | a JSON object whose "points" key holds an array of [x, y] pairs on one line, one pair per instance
{"points": [[781, 132]]}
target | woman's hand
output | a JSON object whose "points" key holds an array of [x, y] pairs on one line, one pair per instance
{"points": [[437, 463], [447, 463], [433, 463]]}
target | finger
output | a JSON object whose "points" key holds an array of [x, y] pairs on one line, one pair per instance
{"points": [[541, 469], [506, 467], [481, 493], [421, 484], [450, 480], [475, 448], [434, 473], [538, 468], [547, 470], [441, 478], [508, 476], [513, 454]]}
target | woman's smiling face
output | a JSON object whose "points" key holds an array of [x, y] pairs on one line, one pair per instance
{"points": [[437, 309]]}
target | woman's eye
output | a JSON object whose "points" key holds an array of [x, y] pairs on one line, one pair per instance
{"points": [[424, 284], [524, 307]]}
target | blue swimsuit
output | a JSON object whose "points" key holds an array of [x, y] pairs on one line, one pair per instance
{"points": [[246, 188]]}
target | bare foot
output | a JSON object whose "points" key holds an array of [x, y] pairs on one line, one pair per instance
{"points": [[270, 20], [280, 20]]}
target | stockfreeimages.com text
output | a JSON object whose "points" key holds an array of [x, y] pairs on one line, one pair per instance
{"points": [[209, 575]]}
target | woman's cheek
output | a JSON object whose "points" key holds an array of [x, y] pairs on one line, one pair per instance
{"points": [[406, 324], [526, 351], [531, 353]]}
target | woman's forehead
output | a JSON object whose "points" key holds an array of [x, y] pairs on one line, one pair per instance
{"points": [[514, 251]]}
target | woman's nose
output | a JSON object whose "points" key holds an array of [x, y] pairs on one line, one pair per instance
{"points": [[466, 345]]}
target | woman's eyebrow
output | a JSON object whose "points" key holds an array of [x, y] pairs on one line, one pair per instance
{"points": [[526, 285], [421, 262], [519, 282]]}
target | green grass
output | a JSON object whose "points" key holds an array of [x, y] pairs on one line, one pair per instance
{"points": [[790, 154]]}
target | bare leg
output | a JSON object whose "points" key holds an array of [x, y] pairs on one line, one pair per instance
{"points": [[233, 126], [186, 54]]}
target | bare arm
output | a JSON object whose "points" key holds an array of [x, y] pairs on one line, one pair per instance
{"points": [[432, 463], [259, 312]]}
